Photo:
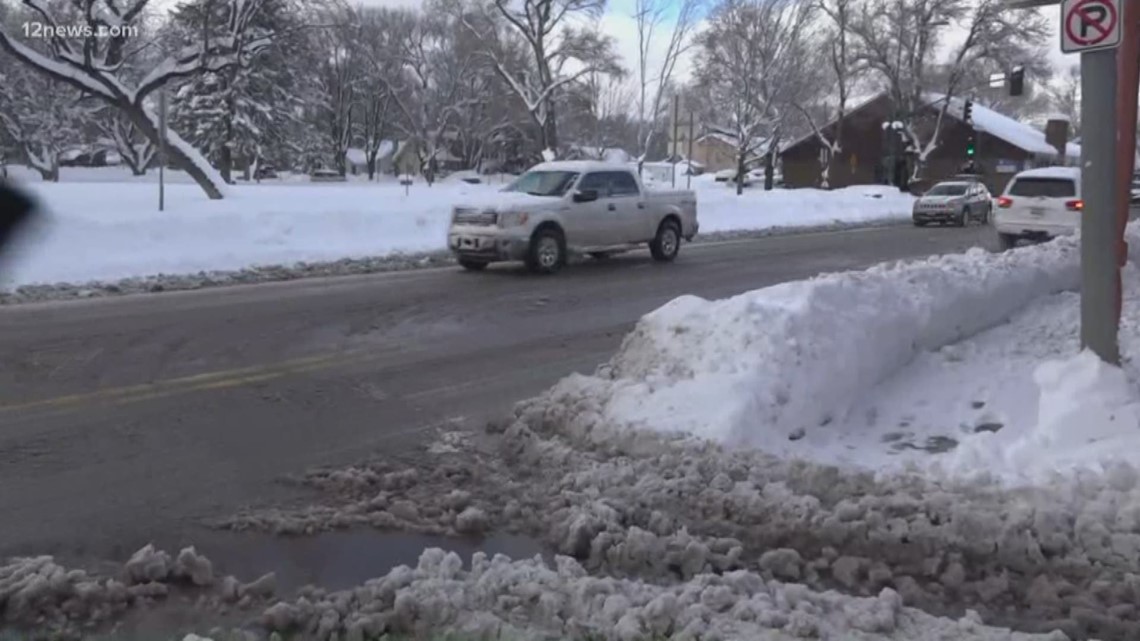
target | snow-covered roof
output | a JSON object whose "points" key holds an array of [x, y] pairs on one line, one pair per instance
{"points": [[356, 156], [1052, 172], [1016, 133]]}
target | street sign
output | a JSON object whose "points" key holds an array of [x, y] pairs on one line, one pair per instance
{"points": [[1088, 25]]}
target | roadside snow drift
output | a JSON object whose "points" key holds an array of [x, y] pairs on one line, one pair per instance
{"points": [[777, 365], [105, 231]]}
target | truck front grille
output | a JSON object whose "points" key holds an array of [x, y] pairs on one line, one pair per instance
{"points": [[470, 216]]}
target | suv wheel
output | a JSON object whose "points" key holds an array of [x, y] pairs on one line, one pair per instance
{"points": [[547, 251], [667, 242], [963, 217]]}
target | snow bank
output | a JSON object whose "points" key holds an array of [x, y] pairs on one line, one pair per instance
{"points": [[784, 361], [104, 231], [501, 599], [49, 601]]}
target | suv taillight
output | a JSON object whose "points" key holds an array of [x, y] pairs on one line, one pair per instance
{"points": [[1075, 205], [1004, 202]]}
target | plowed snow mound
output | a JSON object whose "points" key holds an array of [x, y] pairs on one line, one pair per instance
{"points": [[788, 359]]}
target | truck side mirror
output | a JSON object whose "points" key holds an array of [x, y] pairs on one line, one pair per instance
{"points": [[585, 195]]}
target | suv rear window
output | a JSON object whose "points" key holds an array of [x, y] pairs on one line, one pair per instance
{"points": [[1047, 187]]}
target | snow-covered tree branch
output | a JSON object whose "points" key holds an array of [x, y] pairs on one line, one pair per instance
{"points": [[94, 65], [136, 150], [40, 115]]}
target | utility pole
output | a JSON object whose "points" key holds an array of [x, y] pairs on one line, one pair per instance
{"points": [[676, 125], [162, 149], [689, 155], [1100, 274]]}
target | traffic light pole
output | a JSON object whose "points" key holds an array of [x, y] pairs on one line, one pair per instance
{"points": [[1100, 273]]}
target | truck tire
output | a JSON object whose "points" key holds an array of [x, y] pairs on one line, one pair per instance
{"points": [[547, 251], [667, 242], [470, 264]]}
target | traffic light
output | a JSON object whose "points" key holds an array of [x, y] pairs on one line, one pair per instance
{"points": [[1017, 81], [970, 147], [968, 111]]}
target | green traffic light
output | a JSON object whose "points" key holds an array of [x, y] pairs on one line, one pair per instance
{"points": [[970, 150]]}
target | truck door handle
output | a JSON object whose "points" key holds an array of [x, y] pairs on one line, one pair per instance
{"points": [[611, 207]]}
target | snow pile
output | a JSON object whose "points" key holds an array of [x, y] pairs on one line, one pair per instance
{"points": [[780, 362], [501, 599], [105, 231], [638, 509], [50, 601]]}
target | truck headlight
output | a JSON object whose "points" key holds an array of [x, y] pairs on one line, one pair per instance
{"points": [[513, 218]]}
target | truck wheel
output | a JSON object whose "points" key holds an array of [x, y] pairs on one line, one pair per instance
{"points": [[1007, 241], [667, 242], [547, 251], [473, 265]]}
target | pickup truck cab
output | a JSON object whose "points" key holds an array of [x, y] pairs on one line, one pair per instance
{"points": [[571, 207]]}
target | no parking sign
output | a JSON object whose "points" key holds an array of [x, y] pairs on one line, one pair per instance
{"points": [[1088, 25]]}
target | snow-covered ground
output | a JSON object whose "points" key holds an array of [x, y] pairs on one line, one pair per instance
{"points": [[105, 225], [672, 526]]}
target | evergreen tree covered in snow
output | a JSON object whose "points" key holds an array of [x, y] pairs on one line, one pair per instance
{"points": [[237, 116]]}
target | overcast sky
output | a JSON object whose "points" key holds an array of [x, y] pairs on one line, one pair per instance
{"points": [[618, 23]]}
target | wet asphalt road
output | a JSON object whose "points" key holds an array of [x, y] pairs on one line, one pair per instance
{"points": [[132, 419]]}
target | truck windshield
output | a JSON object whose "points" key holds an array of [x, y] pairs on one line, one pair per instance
{"points": [[544, 183]]}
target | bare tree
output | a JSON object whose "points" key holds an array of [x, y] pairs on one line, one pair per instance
{"points": [[899, 39], [376, 34], [558, 52], [597, 116], [1065, 97], [832, 75], [654, 78], [429, 91], [338, 81], [748, 65]]}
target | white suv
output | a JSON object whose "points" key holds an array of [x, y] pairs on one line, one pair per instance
{"points": [[1039, 204]]}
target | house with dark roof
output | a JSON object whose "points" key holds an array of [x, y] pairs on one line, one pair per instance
{"points": [[873, 152]]}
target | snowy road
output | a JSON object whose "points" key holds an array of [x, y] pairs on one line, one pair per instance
{"points": [[126, 420]]}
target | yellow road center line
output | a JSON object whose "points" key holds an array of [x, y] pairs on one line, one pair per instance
{"points": [[209, 380]]}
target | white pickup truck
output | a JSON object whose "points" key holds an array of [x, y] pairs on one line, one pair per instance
{"points": [[571, 207]]}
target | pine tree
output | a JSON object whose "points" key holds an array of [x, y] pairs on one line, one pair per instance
{"points": [[238, 116]]}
